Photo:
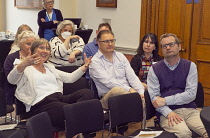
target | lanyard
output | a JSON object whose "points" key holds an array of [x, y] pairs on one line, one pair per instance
{"points": [[48, 16]]}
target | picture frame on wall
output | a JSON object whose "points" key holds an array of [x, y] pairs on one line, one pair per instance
{"points": [[106, 3], [29, 4]]}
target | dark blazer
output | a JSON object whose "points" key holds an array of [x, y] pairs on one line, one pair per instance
{"points": [[48, 25], [136, 63]]}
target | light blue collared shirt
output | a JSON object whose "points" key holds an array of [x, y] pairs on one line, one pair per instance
{"points": [[90, 49], [107, 75], [178, 99]]}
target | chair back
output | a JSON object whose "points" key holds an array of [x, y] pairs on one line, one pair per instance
{"points": [[150, 109], [125, 108], [20, 109], [205, 112], [68, 69], [2, 77], [83, 117], [69, 88], [199, 100], [93, 88], [39, 126], [16, 134], [3, 111]]}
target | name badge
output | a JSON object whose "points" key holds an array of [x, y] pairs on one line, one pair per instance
{"points": [[153, 63]]}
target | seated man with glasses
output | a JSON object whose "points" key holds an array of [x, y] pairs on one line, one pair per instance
{"points": [[111, 71], [172, 85]]}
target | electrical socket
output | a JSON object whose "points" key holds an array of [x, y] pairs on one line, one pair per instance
{"points": [[106, 20]]}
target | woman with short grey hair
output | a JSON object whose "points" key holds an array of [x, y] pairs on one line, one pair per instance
{"points": [[63, 24], [66, 48]]}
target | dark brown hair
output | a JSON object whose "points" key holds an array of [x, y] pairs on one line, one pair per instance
{"points": [[103, 32], [154, 39], [106, 25]]}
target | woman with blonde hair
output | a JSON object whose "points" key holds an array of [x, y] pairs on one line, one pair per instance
{"points": [[67, 47], [25, 39], [23, 27]]}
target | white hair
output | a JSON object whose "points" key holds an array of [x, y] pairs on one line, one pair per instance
{"points": [[63, 24], [26, 34]]}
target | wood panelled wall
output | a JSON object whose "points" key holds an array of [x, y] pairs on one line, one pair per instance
{"points": [[189, 20]]}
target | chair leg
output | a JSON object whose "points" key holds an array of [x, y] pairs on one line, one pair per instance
{"points": [[16, 119], [11, 116], [117, 130], [5, 119], [102, 134], [143, 126]]}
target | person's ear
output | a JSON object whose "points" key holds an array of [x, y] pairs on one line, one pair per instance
{"points": [[180, 47], [97, 32]]}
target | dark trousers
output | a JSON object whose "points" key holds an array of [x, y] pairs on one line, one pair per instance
{"points": [[54, 103]]}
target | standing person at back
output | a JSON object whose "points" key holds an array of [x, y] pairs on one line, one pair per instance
{"points": [[172, 85], [48, 20], [111, 71], [92, 48], [147, 54]]}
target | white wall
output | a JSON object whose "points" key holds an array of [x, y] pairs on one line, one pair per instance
{"points": [[16, 17], [68, 8], [125, 20]]}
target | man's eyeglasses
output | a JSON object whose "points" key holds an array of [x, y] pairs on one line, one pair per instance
{"points": [[108, 41], [172, 44], [43, 48], [49, 2]]}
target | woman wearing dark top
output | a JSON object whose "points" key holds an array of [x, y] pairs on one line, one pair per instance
{"points": [[48, 20], [147, 54], [24, 41]]}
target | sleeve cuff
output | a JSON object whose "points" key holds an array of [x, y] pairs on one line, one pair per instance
{"points": [[127, 88], [165, 113], [169, 100]]}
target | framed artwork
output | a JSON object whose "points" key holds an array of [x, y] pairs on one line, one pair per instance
{"points": [[106, 3], [31, 4]]}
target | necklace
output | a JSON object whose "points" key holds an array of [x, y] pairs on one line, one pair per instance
{"points": [[21, 56]]}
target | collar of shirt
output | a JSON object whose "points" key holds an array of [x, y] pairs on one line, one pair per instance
{"points": [[147, 59], [170, 66], [95, 42], [100, 55]]}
